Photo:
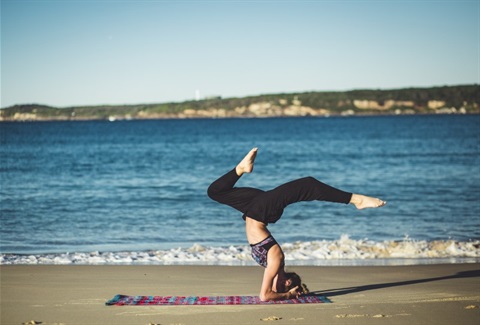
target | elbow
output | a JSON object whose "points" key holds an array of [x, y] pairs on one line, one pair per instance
{"points": [[263, 297], [266, 296]]}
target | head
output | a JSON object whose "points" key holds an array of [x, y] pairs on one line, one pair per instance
{"points": [[292, 280]]}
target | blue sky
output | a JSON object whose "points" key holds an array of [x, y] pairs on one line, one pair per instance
{"points": [[72, 53]]}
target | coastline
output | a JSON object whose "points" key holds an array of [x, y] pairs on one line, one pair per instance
{"points": [[28, 117], [419, 294], [457, 99]]}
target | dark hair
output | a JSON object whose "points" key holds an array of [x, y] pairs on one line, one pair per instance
{"points": [[296, 281]]}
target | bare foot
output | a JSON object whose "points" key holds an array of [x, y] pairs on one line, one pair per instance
{"points": [[363, 202], [246, 165]]}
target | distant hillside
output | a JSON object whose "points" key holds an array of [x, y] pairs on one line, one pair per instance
{"points": [[449, 99]]}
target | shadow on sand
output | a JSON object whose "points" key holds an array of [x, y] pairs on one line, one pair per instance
{"points": [[345, 291]]}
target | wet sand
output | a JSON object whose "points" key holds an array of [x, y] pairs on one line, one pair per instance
{"points": [[423, 294]]}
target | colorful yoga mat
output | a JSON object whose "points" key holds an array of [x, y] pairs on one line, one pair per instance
{"points": [[124, 300]]}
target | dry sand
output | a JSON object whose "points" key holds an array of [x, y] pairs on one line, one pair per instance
{"points": [[425, 294]]}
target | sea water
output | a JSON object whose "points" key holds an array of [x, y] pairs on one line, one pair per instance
{"points": [[99, 192]]}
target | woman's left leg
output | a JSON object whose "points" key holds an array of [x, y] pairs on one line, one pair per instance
{"points": [[308, 189], [311, 189], [268, 207]]}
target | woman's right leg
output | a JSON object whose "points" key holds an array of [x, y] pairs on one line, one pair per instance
{"points": [[246, 165], [223, 191]]}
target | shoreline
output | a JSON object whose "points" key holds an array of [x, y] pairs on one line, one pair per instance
{"points": [[181, 117], [76, 294], [293, 263], [341, 252]]}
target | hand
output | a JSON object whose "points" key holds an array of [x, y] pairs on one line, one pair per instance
{"points": [[293, 293]]}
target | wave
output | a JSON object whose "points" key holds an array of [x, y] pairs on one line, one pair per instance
{"points": [[344, 251]]}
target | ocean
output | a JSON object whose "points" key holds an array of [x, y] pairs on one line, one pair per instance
{"points": [[130, 192]]}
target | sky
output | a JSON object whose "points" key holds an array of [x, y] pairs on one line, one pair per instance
{"points": [[67, 53]]}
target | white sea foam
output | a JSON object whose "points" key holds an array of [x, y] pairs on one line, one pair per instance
{"points": [[344, 251]]}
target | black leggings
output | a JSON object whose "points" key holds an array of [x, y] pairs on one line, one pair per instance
{"points": [[268, 206]]}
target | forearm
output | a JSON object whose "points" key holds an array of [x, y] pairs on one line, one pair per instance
{"points": [[276, 296]]}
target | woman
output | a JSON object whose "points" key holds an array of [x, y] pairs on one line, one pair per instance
{"points": [[260, 208]]}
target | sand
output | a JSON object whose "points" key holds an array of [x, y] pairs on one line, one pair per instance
{"points": [[423, 294]]}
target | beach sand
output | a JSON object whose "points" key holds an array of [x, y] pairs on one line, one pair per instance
{"points": [[422, 294]]}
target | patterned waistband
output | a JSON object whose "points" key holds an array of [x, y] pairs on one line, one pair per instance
{"points": [[264, 242]]}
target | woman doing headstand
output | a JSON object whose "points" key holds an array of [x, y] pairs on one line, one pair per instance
{"points": [[260, 208]]}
